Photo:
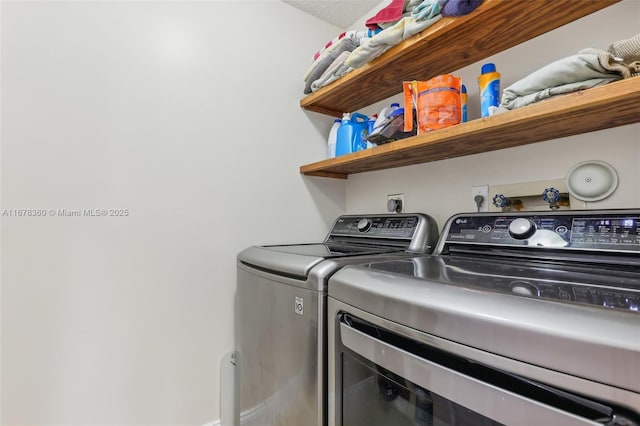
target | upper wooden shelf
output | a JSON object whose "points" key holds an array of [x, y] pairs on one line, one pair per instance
{"points": [[612, 105], [447, 45]]}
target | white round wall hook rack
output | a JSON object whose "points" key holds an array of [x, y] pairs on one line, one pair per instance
{"points": [[592, 180]]}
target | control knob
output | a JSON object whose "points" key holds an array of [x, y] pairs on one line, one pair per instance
{"points": [[364, 224], [521, 228]]}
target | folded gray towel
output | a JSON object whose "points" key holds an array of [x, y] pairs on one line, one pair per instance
{"points": [[336, 70], [587, 69], [577, 72], [344, 45]]}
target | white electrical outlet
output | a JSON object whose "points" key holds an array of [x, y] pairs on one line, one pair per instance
{"points": [[483, 191], [395, 203]]}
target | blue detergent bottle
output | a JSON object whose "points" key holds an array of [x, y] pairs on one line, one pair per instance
{"points": [[370, 126], [350, 133]]}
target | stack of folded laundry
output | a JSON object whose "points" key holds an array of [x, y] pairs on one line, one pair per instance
{"points": [[586, 69], [328, 63], [392, 24]]}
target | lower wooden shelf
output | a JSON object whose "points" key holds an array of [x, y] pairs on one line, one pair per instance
{"points": [[612, 105]]}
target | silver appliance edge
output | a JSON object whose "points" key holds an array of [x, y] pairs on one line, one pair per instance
{"points": [[549, 299]]}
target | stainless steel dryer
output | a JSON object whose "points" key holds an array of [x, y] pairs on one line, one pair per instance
{"points": [[281, 312], [516, 319]]}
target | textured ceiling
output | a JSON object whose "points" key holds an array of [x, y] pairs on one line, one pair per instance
{"points": [[342, 13]]}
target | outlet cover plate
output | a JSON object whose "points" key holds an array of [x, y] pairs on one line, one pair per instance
{"points": [[399, 197], [483, 191]]}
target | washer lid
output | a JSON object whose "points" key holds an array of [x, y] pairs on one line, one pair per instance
{"points": [[298, 259], [331, 249], [591, 180], [547, 334], [293, 265]]}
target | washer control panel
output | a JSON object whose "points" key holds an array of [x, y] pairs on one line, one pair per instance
{"points": [[595, 230], [396, 226], [597, 291]]}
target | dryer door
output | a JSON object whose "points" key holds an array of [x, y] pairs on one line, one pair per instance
{"points": [[388, 378]]}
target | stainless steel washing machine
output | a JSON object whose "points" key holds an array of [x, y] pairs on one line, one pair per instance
{"points": [[516, 319], [281, 312]]}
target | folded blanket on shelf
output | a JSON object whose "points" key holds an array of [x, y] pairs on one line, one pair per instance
{"points": [[577, 72], [409, 6], [460, 7], [427, 9], [423, 16], [399, 9], [337, 69], [355, 35], [391, 13], [589, 68], [412, 17], [325, 60]]}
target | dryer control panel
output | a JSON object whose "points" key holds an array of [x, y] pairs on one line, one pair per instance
{"points": [[395, 226], [416, 232], [617, 231]]}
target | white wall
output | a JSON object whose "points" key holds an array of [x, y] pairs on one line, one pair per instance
{"points": [[187, 115], [443, 188]]}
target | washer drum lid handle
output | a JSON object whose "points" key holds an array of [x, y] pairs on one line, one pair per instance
{"points": [[591, 180]]}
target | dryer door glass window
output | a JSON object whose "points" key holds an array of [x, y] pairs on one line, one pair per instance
{"points": [[374, 396]]}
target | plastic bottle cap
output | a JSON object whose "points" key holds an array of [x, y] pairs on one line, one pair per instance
{"points": [[487, 68], [464, 89], [397, 105], [337, 120]]}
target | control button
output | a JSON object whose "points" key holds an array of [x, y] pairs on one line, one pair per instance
{"points": [[364, 224], [521, 228], [486, 229], [561, 229]]}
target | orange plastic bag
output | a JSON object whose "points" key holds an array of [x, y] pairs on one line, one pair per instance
{"points": [[437, 102]]}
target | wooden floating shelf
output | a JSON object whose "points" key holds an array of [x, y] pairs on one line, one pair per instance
{"points": [[611, 105], [447, 45]]}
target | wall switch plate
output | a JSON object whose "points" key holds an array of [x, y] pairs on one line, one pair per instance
{"points": [[483, 191], [395, 203]]}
